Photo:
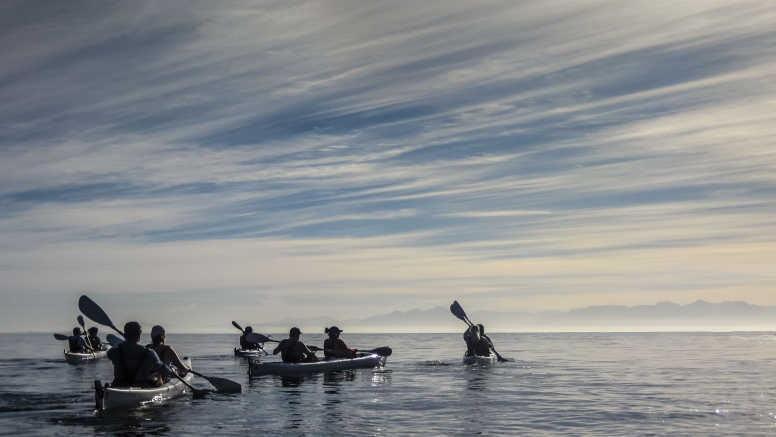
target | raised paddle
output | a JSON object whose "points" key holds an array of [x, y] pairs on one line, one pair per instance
{"points": [[458, 311], [86, 334], [95, 313], [243, 331], [220, 384]]}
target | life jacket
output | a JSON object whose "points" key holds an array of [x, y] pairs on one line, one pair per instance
{"points": [[332, 343], [329, 343], [245, 344], [74, 346], [131, 370], [95, 342], [285, 351]]}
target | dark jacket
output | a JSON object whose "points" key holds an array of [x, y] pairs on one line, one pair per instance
{"points": [[133, 364]]}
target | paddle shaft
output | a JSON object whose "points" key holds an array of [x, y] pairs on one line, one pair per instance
{"points": [[196, 391], [86, 334]]}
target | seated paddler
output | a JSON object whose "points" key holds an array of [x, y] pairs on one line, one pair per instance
{"points": [[245, 344], [93, 340], [77, 343], [135, 365], [292, 350], [334, 347], [475, 343], [166, 353]]}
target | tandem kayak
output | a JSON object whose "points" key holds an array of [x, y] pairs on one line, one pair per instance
{"points": [[244, 353], [277, 368], [479, 360], [108, 397], [75, 357]]}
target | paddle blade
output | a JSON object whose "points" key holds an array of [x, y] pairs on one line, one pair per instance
{"points": [[255, 337], [237, 326], [61, 337], [457, 311], [81, 322], [113, 340], [384, 351], [224, 385], [93, 311]]}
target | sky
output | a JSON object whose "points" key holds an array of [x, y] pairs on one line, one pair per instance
{"points": [[189, 163]]}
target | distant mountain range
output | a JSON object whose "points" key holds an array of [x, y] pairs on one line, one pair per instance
{"points": [[664, 316]]}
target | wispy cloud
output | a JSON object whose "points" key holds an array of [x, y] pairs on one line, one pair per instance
{"points": [[335, 155]]}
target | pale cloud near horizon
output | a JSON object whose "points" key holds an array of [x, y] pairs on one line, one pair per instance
{"points": [[338, 156]]}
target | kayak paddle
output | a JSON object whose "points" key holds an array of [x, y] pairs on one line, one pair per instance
{"points": [[86, 335], [243, 331], [195, 391], [95, 313], [457, 311], [113, 340], [61, 337], [384, 351], [220, 384], [255, 337]]}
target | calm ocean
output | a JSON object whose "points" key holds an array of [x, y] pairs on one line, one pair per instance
{"points": [[559, 384]]}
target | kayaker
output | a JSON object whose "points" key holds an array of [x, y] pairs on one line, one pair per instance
{"points": [[475, 343], [94, 341], [485, 339], [245, 344], [292, 350], [77, 343], [135, 365], [166, 353], [336, 345]]}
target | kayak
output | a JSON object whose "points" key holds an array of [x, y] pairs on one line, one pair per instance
{"points": [[108, 397], [243, 353], [278, 368], [75, 357], [479, 360]]}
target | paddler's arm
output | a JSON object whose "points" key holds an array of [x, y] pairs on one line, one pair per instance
{"points": [[176, 361], [278, 348]]}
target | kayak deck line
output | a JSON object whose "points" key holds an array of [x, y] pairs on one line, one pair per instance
{"points": [[107, 397], [479, 360], [246, 353], [363, 361], [77, 357]]}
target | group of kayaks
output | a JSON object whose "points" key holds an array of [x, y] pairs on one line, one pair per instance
{"points": [[108, 397]]}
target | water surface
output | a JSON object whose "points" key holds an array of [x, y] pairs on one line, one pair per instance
{"points": [[563, 384]]}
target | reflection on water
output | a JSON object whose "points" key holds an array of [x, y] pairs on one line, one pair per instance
{"points": [[581, 384]]}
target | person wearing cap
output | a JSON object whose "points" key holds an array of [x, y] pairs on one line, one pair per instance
{"points": [[135, 365], [292, 350], [334, 346], [77, 343], [245, 344], [166, 353], [93, 340]]}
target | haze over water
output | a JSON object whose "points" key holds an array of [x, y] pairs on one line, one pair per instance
{"points": [[579, 383]]}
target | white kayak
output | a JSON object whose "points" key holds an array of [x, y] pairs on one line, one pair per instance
{"points": [[243, 353], [75, 357], [479, 360], [278, 368], [115, 397]]}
